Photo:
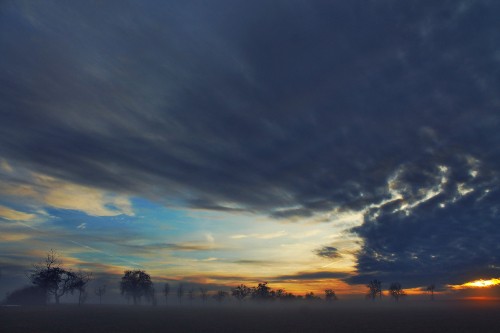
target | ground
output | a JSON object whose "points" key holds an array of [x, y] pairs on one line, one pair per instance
{"points": [[453, 317]]}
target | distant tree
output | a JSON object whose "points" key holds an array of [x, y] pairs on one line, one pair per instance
{"points": [[180, 292], [430, 289], [220, 296], [283, 295], [30, 295], [330, 295], [137, 284], [374, 289], [100, 291], [280, 293], [204, 294], [262, 292], [396, 291], [190, 294], [241, 292], [311, 297], [166, 291], [53, 278], [80, 283]]}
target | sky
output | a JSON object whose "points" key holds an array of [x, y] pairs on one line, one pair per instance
{"points": [[310, 144]]}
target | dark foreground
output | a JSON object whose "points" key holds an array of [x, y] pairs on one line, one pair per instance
{"points": [[450, 317]]}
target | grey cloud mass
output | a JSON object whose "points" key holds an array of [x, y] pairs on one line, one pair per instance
{"points": [[286, 108], [312, 276], [329, 252]]}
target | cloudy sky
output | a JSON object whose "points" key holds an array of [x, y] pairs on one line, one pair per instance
{"points": [[305, 143]]}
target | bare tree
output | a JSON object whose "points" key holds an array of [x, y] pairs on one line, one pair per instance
{"points": [[430, 289], [241, 292], [100, 291], [204, 294], [166, 291], [396, 291], [180, 292], [330, 295], [137, 284], [374, 289], [53, 278]]}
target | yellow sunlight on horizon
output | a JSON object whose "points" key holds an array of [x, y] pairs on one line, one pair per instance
{"points": [[477, 284]]}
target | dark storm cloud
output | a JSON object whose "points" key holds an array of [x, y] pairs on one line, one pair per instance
{"points": [[285, 108], [450, 238]]}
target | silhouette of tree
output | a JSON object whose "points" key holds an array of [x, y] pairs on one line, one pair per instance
{"points": [[430, 289], [283, 295], [262, 292], [330, 295], [100, 291], [180, 292], [374, 289], [241, 292], [204, 294], [280, 293], [53, 279], [137, 284], [220, 296], [311, 297], [396, 291], [80, 283], [191, 296], [166, 291]]}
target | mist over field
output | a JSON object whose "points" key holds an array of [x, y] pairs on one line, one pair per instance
{"points": [[353, 317]]}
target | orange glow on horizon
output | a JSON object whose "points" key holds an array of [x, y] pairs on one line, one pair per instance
{"points": [[477, 284], [481, 298]]}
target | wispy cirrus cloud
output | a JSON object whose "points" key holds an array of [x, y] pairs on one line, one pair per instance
{"points": [[14, 215], [40, 190], [270, 235]]}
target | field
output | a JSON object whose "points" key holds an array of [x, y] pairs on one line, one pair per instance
{"points": [[453, 317]]}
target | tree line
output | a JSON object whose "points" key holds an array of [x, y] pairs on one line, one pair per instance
{"points": [[50, 280]]}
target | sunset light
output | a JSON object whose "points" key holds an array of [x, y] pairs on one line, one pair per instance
{"points": [[215, 161], [477, 284]]}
